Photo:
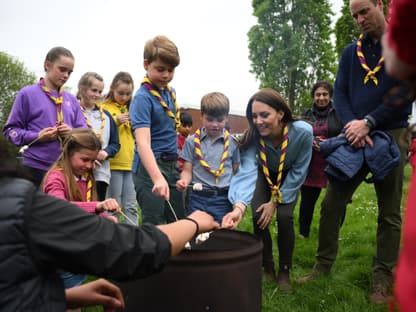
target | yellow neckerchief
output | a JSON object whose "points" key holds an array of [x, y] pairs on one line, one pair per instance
{"points": [[86, 177], [371, 74], [57, 101], [174, 115], [203, 162], [275, 189], [102, 117]]}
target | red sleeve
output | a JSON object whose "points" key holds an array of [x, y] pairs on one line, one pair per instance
{"points": [[55, 185], [181, 141], [401, 30]]}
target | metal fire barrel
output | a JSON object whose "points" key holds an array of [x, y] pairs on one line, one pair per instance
{"points": [[221, 274]]}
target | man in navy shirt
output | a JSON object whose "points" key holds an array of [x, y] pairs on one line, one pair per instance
{"points": [[360, 87]]}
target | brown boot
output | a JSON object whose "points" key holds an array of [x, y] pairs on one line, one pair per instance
{"points": [[283, 280], [316, 272]]}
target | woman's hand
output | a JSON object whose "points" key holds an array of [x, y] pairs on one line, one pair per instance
{"points": [[232, 219], [267, 212]]}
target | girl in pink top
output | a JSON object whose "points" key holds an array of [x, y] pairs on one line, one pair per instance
{"points": [[71, 178]]}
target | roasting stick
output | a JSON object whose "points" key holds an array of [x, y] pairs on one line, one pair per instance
{"points": [[199, 239], [173, 211], [125, 217], [25, 147]]}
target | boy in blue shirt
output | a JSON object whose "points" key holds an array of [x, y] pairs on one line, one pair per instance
{"points": [[211, 158], [154, 117]]}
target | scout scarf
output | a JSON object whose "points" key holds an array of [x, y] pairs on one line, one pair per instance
{"points": [[203, 162], [275, 189], [58, 102], [87, 176], [371, 74], [123, 109], [174, 115], [102, 117]]}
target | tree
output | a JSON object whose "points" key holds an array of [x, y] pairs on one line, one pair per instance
{"points": [[290, 47], [13, 77]]}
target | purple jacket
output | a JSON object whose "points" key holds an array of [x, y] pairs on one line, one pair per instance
{"points": [[33, 111]]}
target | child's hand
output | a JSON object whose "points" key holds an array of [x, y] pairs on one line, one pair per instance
{"points": [[64, 130], [112, 218], [99, 292], [102, 155], [123, 118], [161, 188], [181, 185], [109, 204], [48, 134]]}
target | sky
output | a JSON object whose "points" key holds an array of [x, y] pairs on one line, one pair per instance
{"points": [[107, 36]]}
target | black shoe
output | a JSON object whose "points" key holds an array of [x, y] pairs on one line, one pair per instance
{"points": [[269, 272]]}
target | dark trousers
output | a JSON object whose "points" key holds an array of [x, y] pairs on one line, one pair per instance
{"points": [[389, 195], [155, 209], [309, 196], [101, 190], [285, 229], [37, 174]]}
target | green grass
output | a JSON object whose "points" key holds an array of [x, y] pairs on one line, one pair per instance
{"points": [[347, 288]]}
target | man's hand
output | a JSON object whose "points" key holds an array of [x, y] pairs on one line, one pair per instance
{"points": [[356, 133]]}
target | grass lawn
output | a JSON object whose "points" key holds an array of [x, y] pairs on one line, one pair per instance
{"points": [[348, 287]]}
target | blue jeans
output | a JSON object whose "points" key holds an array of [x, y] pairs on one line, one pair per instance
{"points": [[217, 206], [121, 188]]}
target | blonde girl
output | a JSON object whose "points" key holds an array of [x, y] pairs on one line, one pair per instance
{"points": [[117, 103], [90, 87]]}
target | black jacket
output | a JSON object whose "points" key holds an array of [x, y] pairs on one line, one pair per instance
{"points": [[39, 234], [334, 124]]}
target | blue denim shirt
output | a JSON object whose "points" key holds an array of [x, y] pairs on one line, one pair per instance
{"points": [[298, 156]]}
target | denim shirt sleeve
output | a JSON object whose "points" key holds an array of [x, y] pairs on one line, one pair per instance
{"points": [[243, 182], [302, 151]]}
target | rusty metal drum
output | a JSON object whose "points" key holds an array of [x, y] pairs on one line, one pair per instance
{"points": [[221, 274]]}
